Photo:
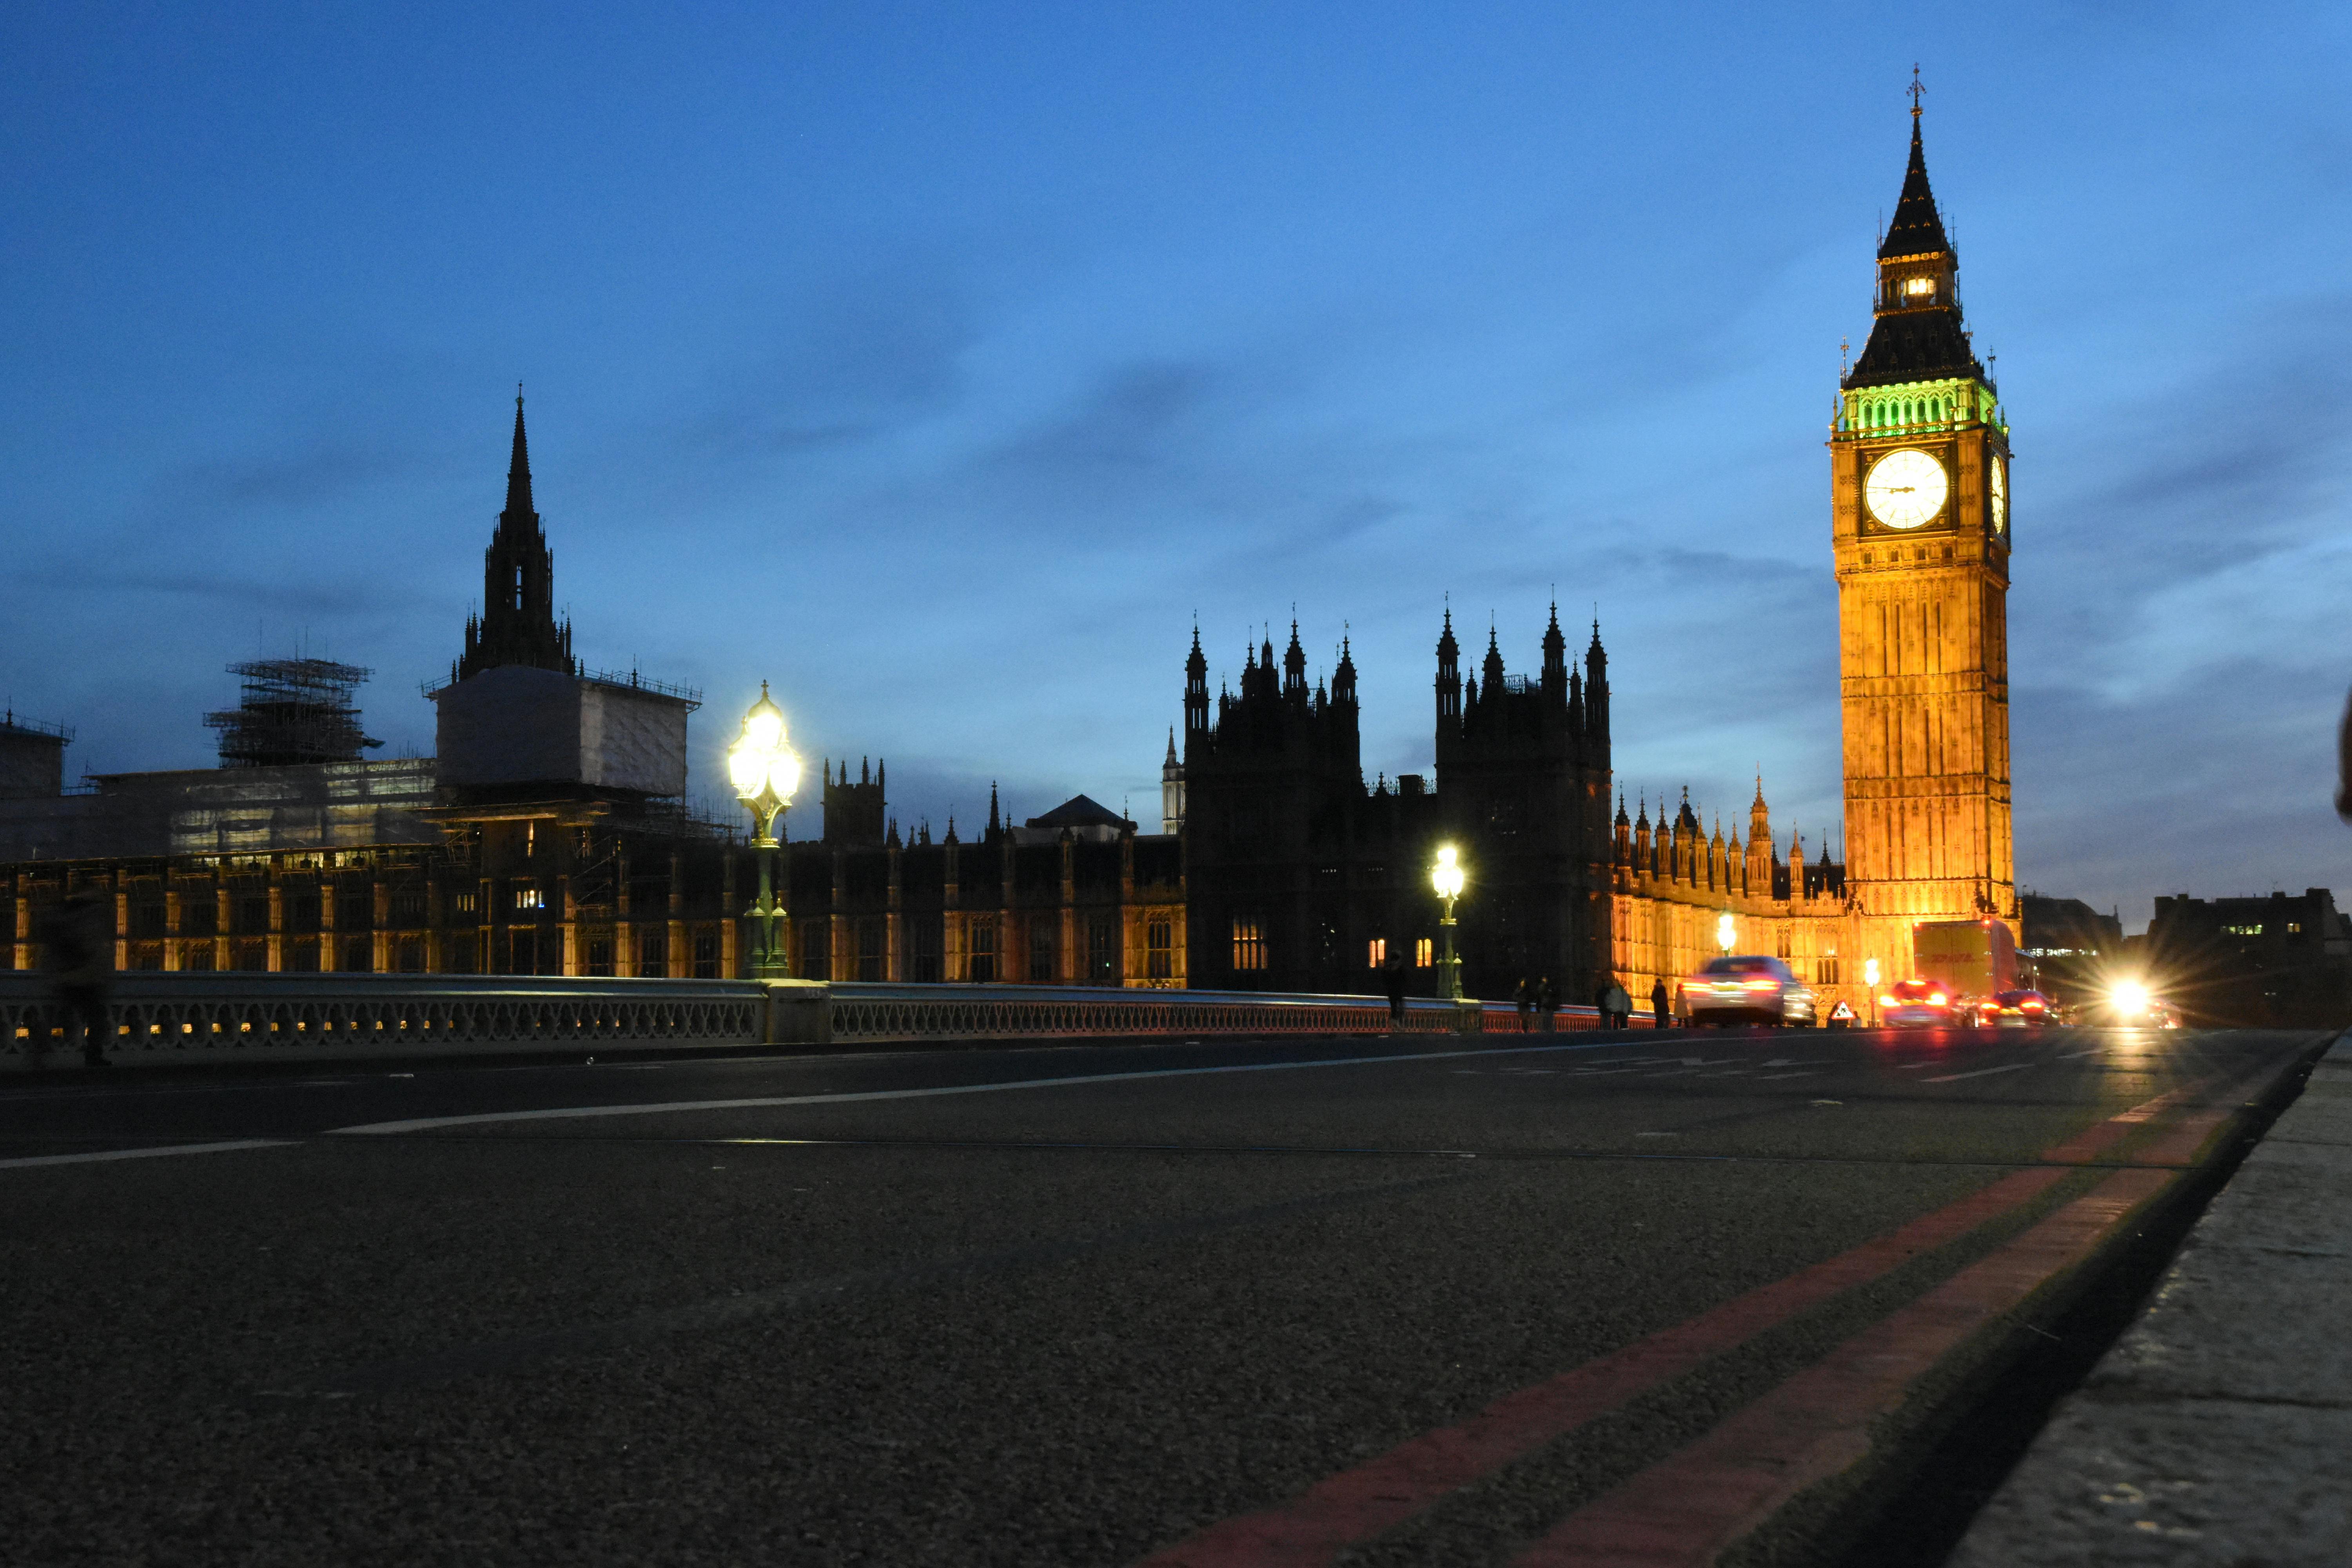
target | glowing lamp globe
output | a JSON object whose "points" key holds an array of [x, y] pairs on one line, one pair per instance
{"points": [[1447, 876]]}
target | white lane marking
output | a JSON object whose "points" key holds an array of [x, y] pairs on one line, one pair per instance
{"points": [[664, 1108], [148, 1153], [1981, 1072]]}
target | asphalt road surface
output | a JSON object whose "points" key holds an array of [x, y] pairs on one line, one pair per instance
{"points": [[1017, 1306]]}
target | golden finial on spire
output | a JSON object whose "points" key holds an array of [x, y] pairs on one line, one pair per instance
{"points": [[1916, 90]]}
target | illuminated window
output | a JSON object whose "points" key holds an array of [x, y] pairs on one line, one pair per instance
{"points": [[983, 960], [529, 899], [1379, 951], [1424, 953], [2293, 929], [1249, 945], [1827, 969], [1159, 949], [1919, 286]]}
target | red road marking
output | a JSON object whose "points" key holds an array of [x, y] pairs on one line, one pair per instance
{"points": [[1356, 1505], [1685, 1510]]}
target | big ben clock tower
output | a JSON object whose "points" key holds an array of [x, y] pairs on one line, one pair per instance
{"points": [[1919, 488]]}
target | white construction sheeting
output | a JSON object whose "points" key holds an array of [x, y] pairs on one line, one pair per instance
{"points": [[518, 725]]}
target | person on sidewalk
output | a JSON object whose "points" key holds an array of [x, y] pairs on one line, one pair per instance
{"points": [[1392, 973], [1547, 1001], [1526, 997], [78, 950], [1658, 1000], [1617, 1006]]}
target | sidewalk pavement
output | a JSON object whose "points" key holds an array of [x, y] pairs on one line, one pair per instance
{"points": [[2219, 1429]]}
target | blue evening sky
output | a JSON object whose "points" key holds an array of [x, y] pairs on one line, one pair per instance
{"points": [[939, 363]]}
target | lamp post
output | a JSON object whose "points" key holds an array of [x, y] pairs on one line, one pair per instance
{"points": [[1446, 877], [764, 772], [1870, 983]]}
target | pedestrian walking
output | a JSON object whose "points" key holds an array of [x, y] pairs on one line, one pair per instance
{"points": [[77, 952], [1392, 973], [1526, 997], [1658, 1000], [1621, 1006], [1547, 1003]]}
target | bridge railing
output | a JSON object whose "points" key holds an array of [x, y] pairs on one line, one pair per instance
{"points": [[194, 1018]]}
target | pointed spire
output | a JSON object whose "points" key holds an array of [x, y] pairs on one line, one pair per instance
{"points": [[1918, 334], [519, 505], [1918, 227], [991, 808], [1169, 761], [517, 624]]}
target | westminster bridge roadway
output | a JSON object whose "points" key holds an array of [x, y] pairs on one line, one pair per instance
{"points": [[1422, 1300]]}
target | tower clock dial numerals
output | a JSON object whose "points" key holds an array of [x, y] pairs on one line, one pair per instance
{"points": [[1905, 487], [1999, 470]]}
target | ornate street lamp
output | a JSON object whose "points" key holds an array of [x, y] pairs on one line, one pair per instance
{"points": [[764, 772], [1446, 877], [1870, 984]]}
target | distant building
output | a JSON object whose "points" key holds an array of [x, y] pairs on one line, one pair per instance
{"points": [[546, 837], [2282, 960], [2069, 946]]}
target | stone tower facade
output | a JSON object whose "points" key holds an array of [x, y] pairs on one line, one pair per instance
{"points": [[1919, 488]]}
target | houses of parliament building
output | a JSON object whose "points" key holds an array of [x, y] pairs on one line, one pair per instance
{"points": [[1299, 878], [547, 836]]}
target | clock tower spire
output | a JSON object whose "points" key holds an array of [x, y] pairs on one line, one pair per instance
{"points": [[1920, 518]]}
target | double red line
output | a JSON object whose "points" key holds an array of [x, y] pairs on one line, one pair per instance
{"points": [[1685, 1509]]}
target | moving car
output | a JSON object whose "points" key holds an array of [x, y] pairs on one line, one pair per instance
{"points": [[1917, 1005], [1747, 990], [2016, 1010]]}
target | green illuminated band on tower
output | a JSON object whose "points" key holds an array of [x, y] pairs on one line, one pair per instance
{"points": [[1919, 405]]}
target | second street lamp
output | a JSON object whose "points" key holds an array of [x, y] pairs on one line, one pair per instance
{"points": [[764, 772], [1445, 877]]}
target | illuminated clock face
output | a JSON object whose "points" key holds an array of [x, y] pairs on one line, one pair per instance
{"points": [[1905, 489], [2000, 496]]}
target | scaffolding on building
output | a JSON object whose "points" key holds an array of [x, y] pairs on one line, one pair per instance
{"points": [[294, 710]]}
